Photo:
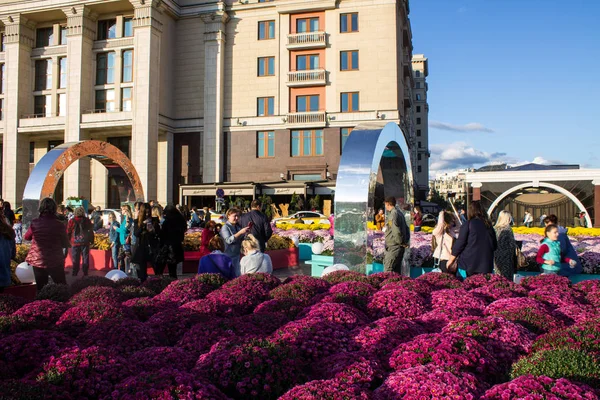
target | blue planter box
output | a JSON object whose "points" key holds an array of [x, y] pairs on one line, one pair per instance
{"points": [[374, 268], [304, 251], [322, 259], [77, 203]]}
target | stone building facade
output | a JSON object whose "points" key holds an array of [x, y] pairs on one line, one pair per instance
{"points": [[203, 91]]}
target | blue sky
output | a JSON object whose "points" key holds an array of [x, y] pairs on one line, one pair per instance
{"points": [[524, 73]]}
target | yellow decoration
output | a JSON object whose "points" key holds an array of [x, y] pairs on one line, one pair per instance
{"points": [[571, 231]]}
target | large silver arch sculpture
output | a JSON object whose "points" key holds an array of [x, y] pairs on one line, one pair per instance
{"points": [[372, 151], [47, 172]]}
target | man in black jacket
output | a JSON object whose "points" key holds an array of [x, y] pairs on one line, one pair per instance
{"points": [[261, 227]]}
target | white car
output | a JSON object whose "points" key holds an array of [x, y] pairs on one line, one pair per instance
{"points": [[309, 217]]}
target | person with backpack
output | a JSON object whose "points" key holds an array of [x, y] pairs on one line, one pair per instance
{"points": [[81, 234], [146, 231], [397, 237]]}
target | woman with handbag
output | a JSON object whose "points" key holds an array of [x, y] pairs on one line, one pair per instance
{"points": [[443, 237], [171, 242], [146, 232], [505, 254]]}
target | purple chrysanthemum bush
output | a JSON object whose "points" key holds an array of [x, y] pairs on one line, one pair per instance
{"points": [[344, 337]]}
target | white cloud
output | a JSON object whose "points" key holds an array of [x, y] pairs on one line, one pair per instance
{"points": [[470, 127], [459, 155], [537, 160]]}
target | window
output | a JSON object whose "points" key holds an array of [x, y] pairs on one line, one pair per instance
{"points": [[265, 106], [266, 66], [2, 42], [307, 62], [128, 66], [418, 121], [418, 96], [126, 99], [419, 169], [107, 29], [419, 144], [105, 100], [349, 60], [344, 134], [127, 27], [307, 143], [417, 74], [42, 105], [418, 132], [43, 74], [62, 104], [419, 157], [306, 178], [1, 109], [418, 85], [418, 108], [349, 23], [44, 37], [266, 30], [62, 72], [2, 78], [31, 152], [120, 142], [349, 102], [307, 25], [63, 34], [265, 144], [308, 103], [105, 68], [53, 143]]}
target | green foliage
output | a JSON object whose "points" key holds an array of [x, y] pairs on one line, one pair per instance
{"points": [[438, 199]]}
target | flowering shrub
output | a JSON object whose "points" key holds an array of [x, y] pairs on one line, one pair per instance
{"points": [[342, 314], [421, 287], [588, 286], [378, 278], [214, 280], [532, 314], [540, 281], [158, 283], [55, 292], [479, 280], [87, 373], [155, 358], [332, 389], [201, 337], [144, 307], [277, 242], [303, 288], [88, 281], [269, 281], [584, 336], [441, 281], [540, 387], [257, 369], [290, 307], [134, 292], [9, 303], [353, 288], [558, 296], [98, 294], [572, 364], [183, 291], [167, 383], [128, 281], [428, 382], [399, 302], [450, 352], [350, 368], [40, 314], [457, 302], [26, 352], [170, 325], [578, 312], [345, 276], [499, 290], [76, 319], [125, 338], [239, 299], [434, 321]]}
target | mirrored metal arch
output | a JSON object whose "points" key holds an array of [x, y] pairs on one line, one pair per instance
{"points": [[375, 158], [47, 172]]}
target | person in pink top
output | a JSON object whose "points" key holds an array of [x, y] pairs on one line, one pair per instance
{"points": [[444, 234], [331, 220]]}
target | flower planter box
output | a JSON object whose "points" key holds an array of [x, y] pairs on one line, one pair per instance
{"points": [[284, 258], [304, 251], [100, 260], [79, 203], [28, 291]]}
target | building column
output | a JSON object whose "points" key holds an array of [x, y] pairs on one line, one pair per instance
{"points": [[476, 190], [165, 172], [18, 100], [99, 183], [147, 30], [81, 32], [214, 70], [596, 184]]}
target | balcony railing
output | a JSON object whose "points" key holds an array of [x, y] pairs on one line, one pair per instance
{"points": [[307, 40], [307, 119], [311, 77]]}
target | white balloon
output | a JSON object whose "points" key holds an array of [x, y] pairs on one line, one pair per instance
{"points": [[335, 267], [116, 274], [296, 240], [24, 272], [317, 248]]}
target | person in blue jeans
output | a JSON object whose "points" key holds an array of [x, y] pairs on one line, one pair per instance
{"points": [[114, 237], [81, 235]]}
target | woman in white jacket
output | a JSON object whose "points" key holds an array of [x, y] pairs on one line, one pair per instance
{"points": [[445, 232], [254, 261]]}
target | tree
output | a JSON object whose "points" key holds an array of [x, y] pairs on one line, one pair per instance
{"points": [[438, 199]]}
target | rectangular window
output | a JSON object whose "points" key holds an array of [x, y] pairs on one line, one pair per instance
{"points": [[418, 121], [265, 106], [126, 99], [418, 96], [2, 78], [419, 144], [265, 146], [128, 66], [349, 60], [266, 30], [2, 42], [43, 74], [418, 108], [127, 27], [307, 103], [31, 152], [349, 102], [344, 134], [105, 100], [62, 72], [419, 157], [266, 66], [304, 25], [307, 143], [121, 142], [105, 68], [419, 169], [62, 104], [307, 62], [418, 85], [63, 34], [42, 106], [44, 37], [53, 143], [1, 109], [107, 29], [418, 132], [417, 74], [349, 23]]}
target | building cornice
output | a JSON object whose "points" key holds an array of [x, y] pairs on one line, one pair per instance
{"points": [[530, 176]]}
